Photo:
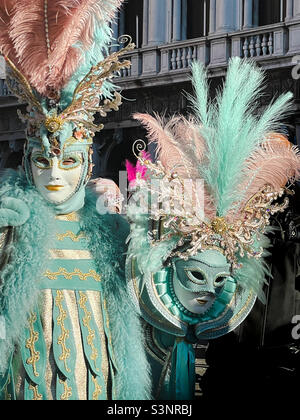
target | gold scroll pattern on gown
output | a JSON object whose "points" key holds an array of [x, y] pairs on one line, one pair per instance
{"points": [[71, 235], [86, 322], [69, 275], [67, 394], [64, 332], [36, 395], [98, 388], [30, 344]]}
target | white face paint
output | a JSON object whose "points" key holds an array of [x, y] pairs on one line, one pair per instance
{"points": [[56, 178]]}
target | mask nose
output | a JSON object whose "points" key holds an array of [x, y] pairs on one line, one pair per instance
{"points": [[55, 171], [201, 282]]}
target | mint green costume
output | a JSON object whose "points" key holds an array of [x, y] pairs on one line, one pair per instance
{"points": [[71, 331]]}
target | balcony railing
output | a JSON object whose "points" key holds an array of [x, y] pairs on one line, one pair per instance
{"points": [[265, 44], [258, 45], [4, 91], [168, 62]]}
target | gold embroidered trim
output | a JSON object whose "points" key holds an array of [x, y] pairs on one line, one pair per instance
{"points": [[86, 322], [64, 332], [68, 275], [71, 235], [70, 254], [36, 395], [67, 390], [98, 389], [71, 217], [30, 342]]}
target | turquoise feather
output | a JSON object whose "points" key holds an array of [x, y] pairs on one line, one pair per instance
{"points": [[230, 127]]}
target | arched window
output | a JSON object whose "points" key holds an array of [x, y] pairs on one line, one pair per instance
{"points": [[271, 11], [197, 18], [131, 21]]}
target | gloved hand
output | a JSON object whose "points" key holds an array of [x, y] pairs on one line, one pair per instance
{"points": [[13, 212]]}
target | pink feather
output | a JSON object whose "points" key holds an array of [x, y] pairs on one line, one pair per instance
{"points": [[180, 148], [69, 22], [131, 171], [6, 45], [273, 163]]}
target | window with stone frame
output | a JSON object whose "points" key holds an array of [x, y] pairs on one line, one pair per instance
{"points": [[197, 17], [271, 11], [133, 21]]}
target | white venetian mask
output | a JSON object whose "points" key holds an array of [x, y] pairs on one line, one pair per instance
{"points": [[58, 177]]}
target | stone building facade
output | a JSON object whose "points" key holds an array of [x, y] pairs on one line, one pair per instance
{"points": [[169, 35]]}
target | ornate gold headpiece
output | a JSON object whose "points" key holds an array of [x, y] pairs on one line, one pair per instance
{"points": [[235, 236], [85, 102]]}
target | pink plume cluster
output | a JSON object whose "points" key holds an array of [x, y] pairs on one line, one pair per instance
{"points": [[180, 146], [138, 170], [39, 36], [276, 162], [182, 149]]}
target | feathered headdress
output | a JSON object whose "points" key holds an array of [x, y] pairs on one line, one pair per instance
{"points": [[236, 168], [57, 59]]}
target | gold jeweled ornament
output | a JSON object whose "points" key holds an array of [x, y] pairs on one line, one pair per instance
{"points": [[234, 238]]}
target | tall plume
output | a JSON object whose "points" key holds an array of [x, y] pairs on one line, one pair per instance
{"points": [[46, 39]]}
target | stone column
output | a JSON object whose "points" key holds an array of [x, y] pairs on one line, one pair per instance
{"points": [[296, 8], [145, 22], [177, 20], [156, 32], [255, 12], [226, 16], [2, 68], [212, 17], [157, 22], [289, 9], [248, 14]]}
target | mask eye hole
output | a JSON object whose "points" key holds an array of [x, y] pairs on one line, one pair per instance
{"points": [[220, 280], [41, 162], [196, 276], [69, 161]]}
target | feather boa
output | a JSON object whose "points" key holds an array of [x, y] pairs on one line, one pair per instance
{"points": [[19, 292]]}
